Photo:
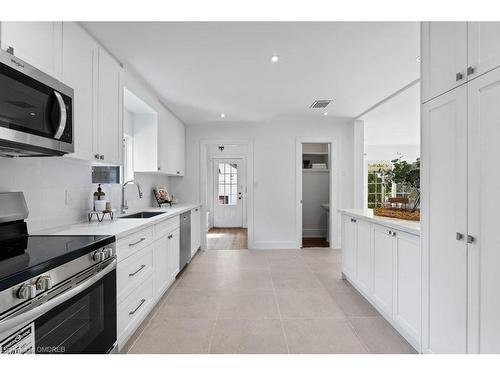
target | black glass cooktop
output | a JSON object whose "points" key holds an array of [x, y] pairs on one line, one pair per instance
{"points": [[24, 257]]}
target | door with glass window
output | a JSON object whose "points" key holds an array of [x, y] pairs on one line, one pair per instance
{"points": [[228, 193]]}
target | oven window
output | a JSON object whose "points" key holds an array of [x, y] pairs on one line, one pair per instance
{"points": [[84, 324]]}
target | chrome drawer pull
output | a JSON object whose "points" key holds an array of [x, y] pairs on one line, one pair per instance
{"points": [[353, 220], [139, 270], [135, 243], [138, 307]]}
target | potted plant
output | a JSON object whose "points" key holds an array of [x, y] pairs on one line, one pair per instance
{"points": [[407, 175]]}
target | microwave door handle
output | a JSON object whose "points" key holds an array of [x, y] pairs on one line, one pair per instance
{"points": [[30, 315], [62, 116]]}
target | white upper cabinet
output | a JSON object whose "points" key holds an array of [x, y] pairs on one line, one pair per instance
{"points": [[78, 65], [37, 43], [171, 144], [444, 223], [483, 208], [483, 47], [444, 57], [109, 109]]}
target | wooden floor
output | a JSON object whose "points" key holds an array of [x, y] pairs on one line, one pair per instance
{"points": [[227, 239], [315, 242]]}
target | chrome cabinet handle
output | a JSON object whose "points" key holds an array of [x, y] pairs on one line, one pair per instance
{"points": [[459, 236], [353, 220], [459, 76], [470, 239], [139, 270], [135, 243], [63, 116], [96, 156], [101, 157], [137, 308], [470, 70], [170, 236]]}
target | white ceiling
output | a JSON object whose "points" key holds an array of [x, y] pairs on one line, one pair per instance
{"points": [[203, 69], [396, 121]]}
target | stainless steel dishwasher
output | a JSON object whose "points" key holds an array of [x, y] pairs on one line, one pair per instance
{"points": [[185, 253]]}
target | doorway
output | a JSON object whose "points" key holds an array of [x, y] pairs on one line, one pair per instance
{"points": [[227, 194], [317, 192], [228, 190]]}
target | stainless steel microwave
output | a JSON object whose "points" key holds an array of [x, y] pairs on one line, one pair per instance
{"points": [[36, 111]]}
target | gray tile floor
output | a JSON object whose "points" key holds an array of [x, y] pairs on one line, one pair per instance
{"points": [[276, 301]]}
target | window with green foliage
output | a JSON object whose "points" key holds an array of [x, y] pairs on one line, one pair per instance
{"points": [[378, 190]]}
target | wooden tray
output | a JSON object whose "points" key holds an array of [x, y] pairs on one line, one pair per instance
{"points": [[397, 213]]}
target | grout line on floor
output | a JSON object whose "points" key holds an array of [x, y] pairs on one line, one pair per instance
{"points": [[278, 306]]}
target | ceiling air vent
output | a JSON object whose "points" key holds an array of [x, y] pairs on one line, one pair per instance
{"points": [[320, 103]]}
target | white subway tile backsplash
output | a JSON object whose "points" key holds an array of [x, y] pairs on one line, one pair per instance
{"points": [[44, 182]]}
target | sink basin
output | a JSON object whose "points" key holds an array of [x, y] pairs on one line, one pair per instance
{"points": [[141, 215]]}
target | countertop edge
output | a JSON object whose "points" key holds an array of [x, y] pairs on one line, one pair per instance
{"points": [[398, 224], [94, 228]]}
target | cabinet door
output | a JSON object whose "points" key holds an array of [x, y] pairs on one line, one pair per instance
{"points": [[349, 231], [383, 268], [79, 50], [444, 214], [162, 276], [364, 256], [174, 252], [407, 285], [444, 57], [483, 209], [37, 43], [195, 230], [175, 147], [109, 129], [483, 47]]}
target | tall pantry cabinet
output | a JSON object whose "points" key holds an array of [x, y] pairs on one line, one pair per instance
{"points": [[460, 186]]}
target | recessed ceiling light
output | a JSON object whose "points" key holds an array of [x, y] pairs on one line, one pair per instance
{"points": [[222, 115], [417, 58], [325, 113], [274, 58]]}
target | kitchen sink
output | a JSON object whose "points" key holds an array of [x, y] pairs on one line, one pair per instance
{"points": [[142, 215]]}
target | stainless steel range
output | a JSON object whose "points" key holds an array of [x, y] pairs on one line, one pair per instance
{"points": [[57, 293]]}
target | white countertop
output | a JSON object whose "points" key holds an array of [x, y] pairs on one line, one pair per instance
{"points": [[118, 227], [408, 226]]}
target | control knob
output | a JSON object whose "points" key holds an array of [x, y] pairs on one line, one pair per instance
{"points": [[26, 291], [44, 283], [108, 252], [98, 256]]}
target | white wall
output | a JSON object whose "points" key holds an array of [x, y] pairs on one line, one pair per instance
{"points": [[315, 192], [274, 169], [44, 182], [375, 153]]}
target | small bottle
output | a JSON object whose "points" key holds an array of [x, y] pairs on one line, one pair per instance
{"points": [[99, 195]]}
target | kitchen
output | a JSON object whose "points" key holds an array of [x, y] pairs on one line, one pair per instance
{"points": [[109, 189]]}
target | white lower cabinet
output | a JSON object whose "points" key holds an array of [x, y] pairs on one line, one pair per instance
{"points": [[133, 309], [407, 283], [349, 239], [384, 264], [148, 263], [364, 256], [383, 248]]}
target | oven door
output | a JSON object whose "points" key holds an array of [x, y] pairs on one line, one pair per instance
{"points": [[35, 109], [77, 321]]}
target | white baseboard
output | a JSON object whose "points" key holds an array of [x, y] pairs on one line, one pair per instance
{"points": [[263, 245], [313, 232]]}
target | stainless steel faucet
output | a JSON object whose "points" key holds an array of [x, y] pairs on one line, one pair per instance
{"points": [[124, 205]]}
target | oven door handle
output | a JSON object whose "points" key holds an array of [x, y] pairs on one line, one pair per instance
{"points": [[38, 311], [62, 116]]}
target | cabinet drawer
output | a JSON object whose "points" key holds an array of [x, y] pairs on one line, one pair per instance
{"points": [[127, 246], [163, 228], [132, 311], [133, 270]]}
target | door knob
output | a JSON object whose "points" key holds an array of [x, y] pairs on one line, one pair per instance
{"points": [[459, 76], [459, 236], [470, 70]]}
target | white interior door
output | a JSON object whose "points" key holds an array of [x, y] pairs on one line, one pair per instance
{"points": [[228, 193]]}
